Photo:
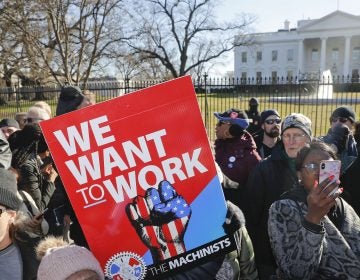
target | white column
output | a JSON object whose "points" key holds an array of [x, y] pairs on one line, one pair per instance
{"points": [[323, 55], [300, 57], [347, 56]]}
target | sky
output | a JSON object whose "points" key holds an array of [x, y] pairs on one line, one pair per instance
{"points": [[271, 14]]}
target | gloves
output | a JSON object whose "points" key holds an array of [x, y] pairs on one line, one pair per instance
{"points": [[338, 136], [234, 218]]}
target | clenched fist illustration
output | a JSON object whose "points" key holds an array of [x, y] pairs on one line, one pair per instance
{"points": [[160, 218]]}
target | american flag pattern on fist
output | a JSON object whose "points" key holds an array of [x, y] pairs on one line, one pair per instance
{"points": [[160, 219]]}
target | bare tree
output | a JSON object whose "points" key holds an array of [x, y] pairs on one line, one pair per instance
{"points": [[68, 37], [183, 34]]}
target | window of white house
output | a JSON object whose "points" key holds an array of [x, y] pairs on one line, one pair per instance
{"points": [[244, 57], [274, 55], [314, 55], [258, 56], [356, 53], [335, 54], [290, 55]]}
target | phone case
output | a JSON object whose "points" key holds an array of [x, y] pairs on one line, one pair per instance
{"points": [[328, 168]]}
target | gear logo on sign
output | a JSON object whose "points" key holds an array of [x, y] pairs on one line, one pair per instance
{"points": [[125, 265]]}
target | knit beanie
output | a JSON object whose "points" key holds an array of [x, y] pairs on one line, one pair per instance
{"points": [[60, 262], [69, 100], [296, 120], [267, 113], [344, 112], [8, 190]]}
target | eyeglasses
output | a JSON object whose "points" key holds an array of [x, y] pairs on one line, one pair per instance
{"points": [[340, 119], [270, 122], [312, 167], [295, 137], [31, 120]]}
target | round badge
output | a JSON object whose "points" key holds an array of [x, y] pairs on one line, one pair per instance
{"points": [[125, 265], [232, 159]]}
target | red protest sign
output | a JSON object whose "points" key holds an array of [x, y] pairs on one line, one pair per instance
{"points": [[141, 178]]}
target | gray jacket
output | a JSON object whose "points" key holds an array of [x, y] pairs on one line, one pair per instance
{"points": [[307, 251]]}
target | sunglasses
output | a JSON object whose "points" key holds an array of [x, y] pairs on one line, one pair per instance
{"points": [[277, 121], [340, 119]]}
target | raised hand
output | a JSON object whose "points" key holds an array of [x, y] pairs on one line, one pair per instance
{"points": [[320, 200], [160, 219]]}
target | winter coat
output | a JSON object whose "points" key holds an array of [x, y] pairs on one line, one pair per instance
{"points": [[269, 179], [32, 181], [263, 150], [304, 250], [237, 157], [350, 181]]}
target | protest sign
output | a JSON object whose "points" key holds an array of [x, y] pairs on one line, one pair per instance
{"points": [[140, 175]]}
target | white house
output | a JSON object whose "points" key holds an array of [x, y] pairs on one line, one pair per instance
{"points": [[329, 43]]}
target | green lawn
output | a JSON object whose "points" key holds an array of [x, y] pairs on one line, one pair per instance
{"points": [[318, 112]]}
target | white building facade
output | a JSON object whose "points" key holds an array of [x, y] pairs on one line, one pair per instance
{"points": [[329, 43]]}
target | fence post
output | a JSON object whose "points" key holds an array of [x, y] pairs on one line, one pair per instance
{"points": [[206, 119], [127, 84], [18, 96]]}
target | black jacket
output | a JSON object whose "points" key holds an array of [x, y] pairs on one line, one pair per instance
{"points": [[350, 181], [269, 179]]}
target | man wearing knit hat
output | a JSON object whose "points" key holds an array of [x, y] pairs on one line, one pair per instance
{"points": [[268, 181], [340, 134], [269, 135], [10, 257], [254, 116]]}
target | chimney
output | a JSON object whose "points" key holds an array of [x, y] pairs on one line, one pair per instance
{"points": [[286, 25]]}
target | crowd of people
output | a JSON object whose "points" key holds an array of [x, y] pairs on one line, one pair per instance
{"points": [[298, 230], [286, 224]]}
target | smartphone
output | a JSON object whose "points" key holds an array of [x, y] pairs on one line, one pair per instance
{"points": [[330, 168]]}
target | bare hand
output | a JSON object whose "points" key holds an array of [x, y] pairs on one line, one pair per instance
{"points": [[318, 200]]}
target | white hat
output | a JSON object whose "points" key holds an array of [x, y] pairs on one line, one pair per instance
{"points": [[58, 263]]}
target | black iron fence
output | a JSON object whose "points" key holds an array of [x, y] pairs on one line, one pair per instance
{"points": [[312, 97]]}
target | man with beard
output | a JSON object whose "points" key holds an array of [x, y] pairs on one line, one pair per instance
{"points": [[269, 136]]}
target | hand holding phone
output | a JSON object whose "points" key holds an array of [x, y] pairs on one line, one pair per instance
{"points": [[330, 168]]}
